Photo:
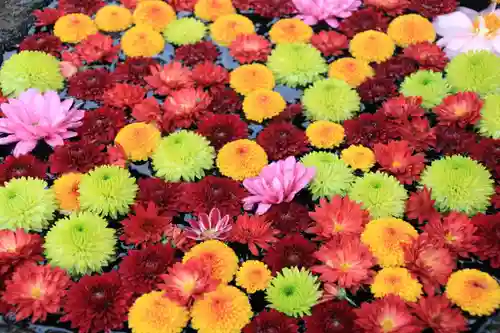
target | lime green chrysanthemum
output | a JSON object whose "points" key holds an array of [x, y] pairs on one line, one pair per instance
{"points": [[330, 99], [26, 203], [475, 71], [296, 64], [293, 292], [183, 155], [459, 183], [381, 194], [332, 176], [489, 125], [186, 30], [80, 244], [30, 69], [431, 86], [107, 191]]}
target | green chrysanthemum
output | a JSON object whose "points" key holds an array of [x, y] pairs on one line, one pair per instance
{"points": [[475, 71], [332, 100], [293, 292], [26, 203], [431, 86], [186, 30], [381, 194], [183, 155], [81, 244], [489, 125], [459, 183], [30, 69], [296, 64], [108, 191], [332, 176]]}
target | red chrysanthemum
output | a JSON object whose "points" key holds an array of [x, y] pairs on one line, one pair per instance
{"points": [[22, 166], [97, 303], [224, 100], [43, 42], [331, 317], [436, 313], [87, 7], [292, 250], [367, 130], [289, 114], [116, 155], [36, 291], [433, 8], [134, 70], [90, 84], [420, 206], [177, 237], [281, 140], [364, 19], [47, 16], [130, 4], [164, 195], [220, 129], [377, 89], [495, 199], [193, 54], [182, 5], [289, 217], [488, 238], [271, 321], [391, 7], [428, 55], [100, 126], [3, 99], [417, 132], [148, 110], [330, 43], [400, 110], [76, 156], [169, 78], [207, 74], [123, 95], [453, 139], [183, 107], [253, 231], [267, 8], [146, 225], [97, 47], [250, 48], [398, 158], [18, 247], [487, 151], [462, 108], [396, 68]]}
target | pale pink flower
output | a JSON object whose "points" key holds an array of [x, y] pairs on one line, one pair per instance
{"points": [[212, 226], [278, 182], [34, 116], [314, 11], [68, 69]]}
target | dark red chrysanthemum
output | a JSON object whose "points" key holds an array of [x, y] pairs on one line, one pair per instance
{"points": [[183, 5], [87, 7], [148, 110], [76, 156], [367, 130], [420, 206], [90, 84], [436, 313], [183, 107], [19, 247], [123, 95], [488, 238], [47, 16], [401, 109], [207, 74], [134, 70], [400, 160], [377, 89], [433, 8], [330, 43], [97, 47], [289, 114], [487, 151], [250, 48], [168, 78], [462, 109], [391, 7], [193, 54], [417, 132], [267, 8], [22, 166], [292, 250], [396, 68], [271, 321], [253, 231], [452, 139], [165, 195], [495, 199], [428, 55], [331, 317], [220, 129], [97, 303], [289, 217], [224, 101], [100, 126], [364, 19], [43, 42], [281, 140]]}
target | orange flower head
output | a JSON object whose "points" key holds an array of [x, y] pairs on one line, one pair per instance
{"points": [[396, 281], [290, 30], [226, 28], [73, 28], [351, 70], [138, 140], [248, 78], [210, 10], [263, 104], [241, 159], [155, 14], [66, 191]]}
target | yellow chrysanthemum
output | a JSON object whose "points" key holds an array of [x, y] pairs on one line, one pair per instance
{"points": [[138, 140], [248, 78], [73, 28], [66, 191], [226, 28], [142, 41], [290, 30], [155, 14], [352, 71], [263, 104], [474, 291], [219, 257], [385, 238], [225, 310], [372, 46], [153, 312], [325, 134], [113, 18], [253, 276], [210, 10], [358, 157], [411, 29], [241, 159], [396, 281]]}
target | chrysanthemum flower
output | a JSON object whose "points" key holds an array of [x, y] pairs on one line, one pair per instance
{"points": [[134, 70], [281, 140], [329, 42], [154, 14], [241, 159], [88, 7], [377, 89], [462, 108], [368, 18], [138, 140], [428, 56], [191, 54], [226, 28], [398, 158], [146, 226], [288, 217], [358, 157], [290, 30], [220, 129], [168, 78], [452, 139], [18, 248], [47, 16], [248, 78], [436, 313], [250, 48], [263, 104], [325, 134], [331, 317], [396, 281], [22, 166], [253, 231], [73, 28], [292, 250], [43, 42], [411, 29], [474, 291], [253, 276], [367, 129], [113, 18], [90, 84], [489, 124], [488, 238], [142, 41], [210, 75], [420, 206], [76, 156], [211, 10], [271, 320], [350, 70], [66, 191], [186, 30], [94, 48], [361, 46], [431, 86], [396, 68]]}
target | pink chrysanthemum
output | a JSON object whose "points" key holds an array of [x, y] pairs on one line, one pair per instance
{"points": [[169, 78], [250, 48], [183, 107], [19, 247], [463, 108]]}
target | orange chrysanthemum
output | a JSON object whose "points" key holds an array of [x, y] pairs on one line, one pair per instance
{"points": [[325, 134], [210, 10], [66, 191], [291, 30], [411, 29], [73, 28], [263, 104], [248, 78], [155, 14], [396, 281], [253, 276], [142, 41], [226, 28], [113, 18], [138, 140], [353, 71], [362, 46], [241, 159]]}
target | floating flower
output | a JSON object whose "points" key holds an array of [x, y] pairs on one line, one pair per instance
{"points": [[293, 250], [263, 104], [325, 134], [186, 30], [146, 226], [351, 70], [487, 246], [211, 10], [209, 75], [367, 129], [253, 276], [209, 226], [43, 42], [191, 54], [241, 159], [392, 7], [88, 7], [95, 48], [396, 281], [47, 16], [368, 18], [142, 41], [169, 78], [361, 46], [90, 84], [138, 140], [433, 8], [154, 14], [489, 123], [76, 156], [221, 129], [227, 28], [272, 9], [134, 70], [462, 108], [396, 68], [290, 30], [312, 12], [73, 28], [18, 248], [271, 320], [66, 192], [282, 139], [358, 157], [420, 206], [289, 217], [253, 231], [431, 86], [428, 56], [248, 78], [22, 166], [377, 89], [331, 316], [329, 42], [113, 18], [124, 95], [250, 48], [437, 313], [411, 29]]}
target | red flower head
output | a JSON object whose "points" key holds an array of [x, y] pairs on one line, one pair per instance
{"points": [[177, 237], [292, 250], [90, 84], [488, 238], [397, 158], [291, 112], [164, 195], [224, 101], [18, 247], [436, 313], [97, 303], [47, 16], [330, 43], [377, 89], [87, 7], [116, 155], [463, 108], [134, 70], [169, 78], [36, 291], [367, 130], [43, 42], [391, 7], [253, 231], [402, 109], [250, 48], [100, 126], [193, 54], [123, 95], [22, 166], [266, 8], [207, 74], [76, 156], [418, 133], [495, 199], [396, 68], [331, 317], [183, 5], [289, 217], [433, 8], [487, 151], [146, 226], [271, 321], [281, 140], [220, 129], [97, 47], [428, 55], [453, 139], [183, 107], [130, 4], [420, 206], [364, 19], [148, 110]]}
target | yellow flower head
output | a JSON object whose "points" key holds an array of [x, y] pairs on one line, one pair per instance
{"points": [[142, 41], [66, 191], [248, 78], [224, 310], [138, 140], [210, 10], [325, 134], [290, 30], [153, 312], [155, 14], [351, 70], [385, 238], [411, 29], [358, 157], [396, 281], [73, 28], [226, 28], [241, 159], [113, 18], [474, 291], [253, 276], [219, 257], [372, 46], [263, 104]]}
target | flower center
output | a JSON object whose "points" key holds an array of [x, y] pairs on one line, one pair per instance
{"points": [[387, 325], [396, 164], [449, 237], [36, 292], [345, 267], [288, 290], [487, 25]]}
